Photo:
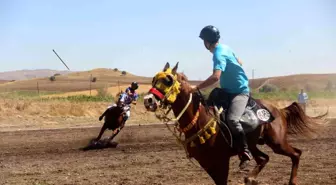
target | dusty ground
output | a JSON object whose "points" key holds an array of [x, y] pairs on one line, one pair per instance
{"points": [[145, 155]]}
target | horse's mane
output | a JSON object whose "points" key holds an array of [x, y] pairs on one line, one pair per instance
{"points": [[186, 87], [117, 96], [182, 77]]}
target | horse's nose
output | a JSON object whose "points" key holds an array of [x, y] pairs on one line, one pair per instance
{"points": [[150, 102]]}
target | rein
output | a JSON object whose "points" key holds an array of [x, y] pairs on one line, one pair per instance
{"points": [[203, 132]]}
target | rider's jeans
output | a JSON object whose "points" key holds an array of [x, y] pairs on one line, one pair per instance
{"points": [[235, 112]]}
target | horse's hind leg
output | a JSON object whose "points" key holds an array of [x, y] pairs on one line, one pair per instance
{"points": [[261, 160], [284, 148]]}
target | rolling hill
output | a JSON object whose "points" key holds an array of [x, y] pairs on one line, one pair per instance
{"points": [[309, 82], [4, 81], [80, 81], [75, 81], [29, 74]]}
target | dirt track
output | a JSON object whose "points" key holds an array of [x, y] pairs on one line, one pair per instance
{"points": [[145, 155]]}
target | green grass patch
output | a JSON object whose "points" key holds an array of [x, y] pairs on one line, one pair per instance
{"points": [[81, 98], [293, 95], [25, 94], [105, 97], [86, 98]]}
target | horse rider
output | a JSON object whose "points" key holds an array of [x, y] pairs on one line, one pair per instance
{"points": [[131, 91], [125, 99], [233, 81]]}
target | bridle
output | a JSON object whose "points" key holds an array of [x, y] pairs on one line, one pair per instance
{"points": [[203, 134]]}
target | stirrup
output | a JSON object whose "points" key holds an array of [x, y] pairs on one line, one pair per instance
{"points": [[217, 113], [245, 154]]}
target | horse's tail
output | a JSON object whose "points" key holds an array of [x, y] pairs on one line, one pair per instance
{"points": [[300, 123]]}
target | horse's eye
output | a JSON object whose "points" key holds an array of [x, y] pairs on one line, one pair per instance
{"points": [[168, 81]]}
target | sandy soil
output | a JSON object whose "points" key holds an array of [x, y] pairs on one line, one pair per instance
{"points": [[145, 155]]}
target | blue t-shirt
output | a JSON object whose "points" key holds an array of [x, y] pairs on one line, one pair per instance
{"points": [[233, 78]]}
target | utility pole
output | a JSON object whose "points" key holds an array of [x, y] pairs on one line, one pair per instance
{"points": [[61, 59], [253, 73], [252, 77], [90, 83]]}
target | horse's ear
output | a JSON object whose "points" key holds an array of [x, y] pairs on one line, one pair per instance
{"points": [[175, 68], [166, 67]]}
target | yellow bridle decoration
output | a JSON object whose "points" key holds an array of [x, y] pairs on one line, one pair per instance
{"points": [[170, 94], [172, 91]]}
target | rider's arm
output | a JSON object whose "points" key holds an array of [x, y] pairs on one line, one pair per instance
{"points": [[128, 91], [136, 96], [219, 64], [239, 61], [211, 80]]}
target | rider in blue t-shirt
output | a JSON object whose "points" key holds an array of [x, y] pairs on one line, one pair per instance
{"points": [[233, 80]]}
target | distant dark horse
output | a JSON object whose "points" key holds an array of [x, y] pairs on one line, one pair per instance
{"points": [[113, 120]]}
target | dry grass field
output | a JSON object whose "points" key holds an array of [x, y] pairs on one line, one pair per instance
{"points": [[46, 111]]}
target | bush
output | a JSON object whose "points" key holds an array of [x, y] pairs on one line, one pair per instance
{"points": [[57, 74], [268, 88], [329, 86], [52, 78], [308, 88], [123, 72], [284, 89], [103, 92], [115, 69], [94, 79]]}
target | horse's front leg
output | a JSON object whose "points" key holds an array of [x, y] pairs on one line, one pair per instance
{"points": [[102, 116], [220, 172], [102, 130]]}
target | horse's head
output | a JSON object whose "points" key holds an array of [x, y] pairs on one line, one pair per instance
{"points": [[121, 99], [166, 86]]}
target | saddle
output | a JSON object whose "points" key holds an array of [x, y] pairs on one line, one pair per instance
{"points": [[254, 115]]}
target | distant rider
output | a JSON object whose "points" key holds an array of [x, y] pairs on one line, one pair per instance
{"points": [[126, 98]]}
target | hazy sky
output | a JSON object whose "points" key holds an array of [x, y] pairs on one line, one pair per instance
{"points": [[273, 37]]}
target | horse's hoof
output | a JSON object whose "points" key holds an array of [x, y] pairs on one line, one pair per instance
{"points": [[250, 181]]}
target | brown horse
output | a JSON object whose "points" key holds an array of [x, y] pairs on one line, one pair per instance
{"points": [[209, 144]]}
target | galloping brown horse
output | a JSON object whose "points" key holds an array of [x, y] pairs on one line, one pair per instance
{"points": [[208, 143], [113, 118]]}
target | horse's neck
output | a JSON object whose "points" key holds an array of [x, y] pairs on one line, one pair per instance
{"points": [[178, 107], [189, 114]]}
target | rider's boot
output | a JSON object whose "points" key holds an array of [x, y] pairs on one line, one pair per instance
{"points": [[243, 152]]}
